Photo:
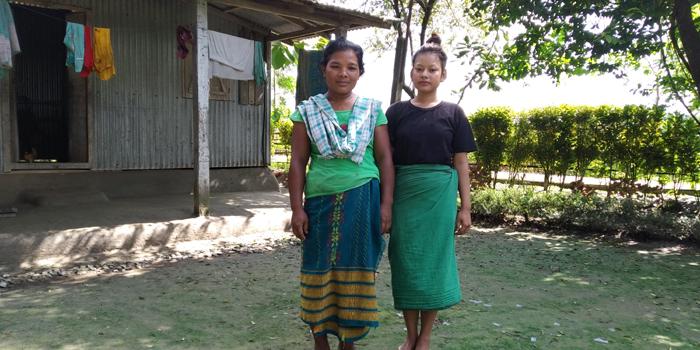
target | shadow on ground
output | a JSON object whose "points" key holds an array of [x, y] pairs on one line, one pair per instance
{"points": [[58, 236]]}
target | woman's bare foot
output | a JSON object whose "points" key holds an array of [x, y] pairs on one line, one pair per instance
{"points": [[321, 343], [408, 345], [422, 344], [346, 346]]}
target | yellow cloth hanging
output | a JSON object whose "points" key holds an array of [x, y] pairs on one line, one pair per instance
{"points": [[104, 58]]}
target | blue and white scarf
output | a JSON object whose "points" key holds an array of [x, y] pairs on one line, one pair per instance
{"points": [[325, 132]]}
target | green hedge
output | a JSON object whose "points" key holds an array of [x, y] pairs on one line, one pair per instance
{"points": [[493, 127], [591, 214], [624, 144]]}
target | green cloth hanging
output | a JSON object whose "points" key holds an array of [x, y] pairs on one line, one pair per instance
{"points": [[310, 80], [259, 68]]}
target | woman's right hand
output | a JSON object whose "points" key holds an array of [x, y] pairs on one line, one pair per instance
{"points": [[300, 224]]}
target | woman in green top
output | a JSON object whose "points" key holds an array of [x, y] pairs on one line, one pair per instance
{"points": [[344, 212]]}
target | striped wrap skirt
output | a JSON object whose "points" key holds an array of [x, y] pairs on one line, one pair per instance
{"points": [[340, 256]]}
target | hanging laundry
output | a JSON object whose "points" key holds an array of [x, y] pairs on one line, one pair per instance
{"points": [[89, 54], [104, 57], [310, 81], [184, 37], [230, 57], [260, 71], [9, 44], [75, 43]]}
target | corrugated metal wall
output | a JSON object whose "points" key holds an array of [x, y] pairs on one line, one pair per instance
{"points": [[4, 115], [140, 118]]}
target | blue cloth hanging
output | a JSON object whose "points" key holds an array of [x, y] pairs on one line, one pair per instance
{"points": [[75, 43], [9, 44]]}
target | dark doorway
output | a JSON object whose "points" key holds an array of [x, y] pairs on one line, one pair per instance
{"points": [[50, 103]]}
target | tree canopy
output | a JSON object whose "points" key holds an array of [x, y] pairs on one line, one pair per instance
{"points": [[556, 38]]}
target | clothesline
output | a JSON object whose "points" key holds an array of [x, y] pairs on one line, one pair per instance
{"points": [[82, 53], [231, 57], [63, 20]]}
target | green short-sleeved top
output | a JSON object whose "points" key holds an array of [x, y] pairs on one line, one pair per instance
{"points": [[336, 175]]}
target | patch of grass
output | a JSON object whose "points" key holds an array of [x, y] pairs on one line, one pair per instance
{"points": [[521, 290]]}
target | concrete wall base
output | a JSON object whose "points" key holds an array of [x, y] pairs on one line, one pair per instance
{"points": [[63, 187], [129, 228]]}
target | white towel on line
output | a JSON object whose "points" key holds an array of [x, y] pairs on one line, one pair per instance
{"points": [[230, 57]]}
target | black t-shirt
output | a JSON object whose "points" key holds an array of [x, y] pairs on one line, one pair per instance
{"points": [[428, 135]]}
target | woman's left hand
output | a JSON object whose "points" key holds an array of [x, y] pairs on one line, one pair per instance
{"points": [[386, 217], [464, 222]]}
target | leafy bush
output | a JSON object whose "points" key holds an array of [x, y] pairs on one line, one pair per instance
{"points": [[491, 128], [284, 129], [682, 149], [551, 147], [639, 135], [281, 132], [519, 149], [593, 214], [585, 144], [623, 144]]}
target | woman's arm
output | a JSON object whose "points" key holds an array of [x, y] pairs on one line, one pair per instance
{"points": [[382, 156], [301, 150], [464, 217]]}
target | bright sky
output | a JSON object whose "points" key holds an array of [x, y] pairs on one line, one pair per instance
{"points": [[525, 94]]}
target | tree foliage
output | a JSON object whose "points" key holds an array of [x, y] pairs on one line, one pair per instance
{"points": [[416, 19], [560, 38]]}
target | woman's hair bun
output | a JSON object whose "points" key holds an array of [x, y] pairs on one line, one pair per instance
{"points": [[434, 39]]}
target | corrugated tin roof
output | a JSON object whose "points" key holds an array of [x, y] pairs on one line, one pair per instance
{"points": [[297, 19]]}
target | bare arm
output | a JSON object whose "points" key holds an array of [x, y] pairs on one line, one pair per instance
{"points": [[382, 156], [301, 151], [464, 217]]}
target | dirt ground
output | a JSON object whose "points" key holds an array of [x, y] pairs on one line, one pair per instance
{"points": [[521, 290]]}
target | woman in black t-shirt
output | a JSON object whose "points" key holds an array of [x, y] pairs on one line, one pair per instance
{"points": [[430, 140]]}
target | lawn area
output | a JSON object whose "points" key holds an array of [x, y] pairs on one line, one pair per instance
{"points": [[521, 290]]}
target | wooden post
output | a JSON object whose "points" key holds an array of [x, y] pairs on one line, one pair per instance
{"points": [[201, 110], [5, 126]]}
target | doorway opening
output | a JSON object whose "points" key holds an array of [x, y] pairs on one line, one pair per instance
{"points": [[50, 99]]}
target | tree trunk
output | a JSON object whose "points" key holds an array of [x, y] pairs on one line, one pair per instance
{"points": [[689, 37], [399, 67], [397, 83], [427, 13]]}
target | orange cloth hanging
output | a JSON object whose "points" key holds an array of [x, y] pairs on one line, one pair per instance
{"points": [[104, 58]]}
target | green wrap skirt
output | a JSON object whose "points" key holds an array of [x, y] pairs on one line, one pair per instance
{"points": [[422, 247]]}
